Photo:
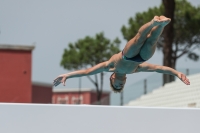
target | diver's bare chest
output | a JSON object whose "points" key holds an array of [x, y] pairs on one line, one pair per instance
{"points": [[119, 65], [125, 68]]}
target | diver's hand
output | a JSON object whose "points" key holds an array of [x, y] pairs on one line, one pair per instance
{"points": [[60, 79], [183, 78]]}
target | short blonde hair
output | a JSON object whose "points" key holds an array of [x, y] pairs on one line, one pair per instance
{"points": [[113, 88]]}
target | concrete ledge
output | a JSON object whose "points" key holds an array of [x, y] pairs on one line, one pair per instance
{"points": [[49, 118]]}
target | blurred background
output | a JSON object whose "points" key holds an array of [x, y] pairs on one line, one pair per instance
{"points": [[40, 40]]}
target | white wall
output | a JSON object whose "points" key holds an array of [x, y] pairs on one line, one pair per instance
{"points": [[40, 118]]}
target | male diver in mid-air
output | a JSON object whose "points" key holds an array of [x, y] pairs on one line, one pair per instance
{"points": [[132, 59]]}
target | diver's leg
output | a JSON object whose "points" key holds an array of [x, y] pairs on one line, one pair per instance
{"points": [[149, 46], [133, 47]]}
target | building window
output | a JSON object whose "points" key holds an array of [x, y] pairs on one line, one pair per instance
{"points": [[62, 100], [77, 100]]}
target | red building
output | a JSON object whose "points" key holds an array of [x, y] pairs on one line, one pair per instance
{"points": [[86, 96], [41, 92], [16, 85], [15, 77]]}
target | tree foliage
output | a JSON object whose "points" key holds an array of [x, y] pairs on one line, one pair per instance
{"points": [[88, 52], [187, 30]]}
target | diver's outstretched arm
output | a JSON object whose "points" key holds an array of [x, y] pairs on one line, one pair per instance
{"points": [[146, 67], [79, 73]]}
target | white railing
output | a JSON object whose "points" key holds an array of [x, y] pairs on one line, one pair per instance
{"points": [[50, 118]]}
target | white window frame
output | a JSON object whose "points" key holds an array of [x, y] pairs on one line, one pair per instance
{"points": [[75, 99], [61, 99]]}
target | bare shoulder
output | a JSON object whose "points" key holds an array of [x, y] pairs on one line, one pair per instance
{"points": [[113, 59], [144, 66], [109, 64]]}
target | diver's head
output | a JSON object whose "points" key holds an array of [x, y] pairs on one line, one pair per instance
{"points": [[117, 82]]}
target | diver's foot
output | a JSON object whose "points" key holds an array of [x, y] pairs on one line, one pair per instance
{"points": [[162, 20]]}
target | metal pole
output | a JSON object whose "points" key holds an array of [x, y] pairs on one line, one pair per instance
{"points": [[79, 96], [187, 71], [145, 86], [122, 98]]}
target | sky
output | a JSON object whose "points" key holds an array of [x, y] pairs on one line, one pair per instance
{"points": [[51, 25]]}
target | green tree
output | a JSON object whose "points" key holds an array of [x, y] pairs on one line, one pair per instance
{"points": [[185, 32], [88, 52]]}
